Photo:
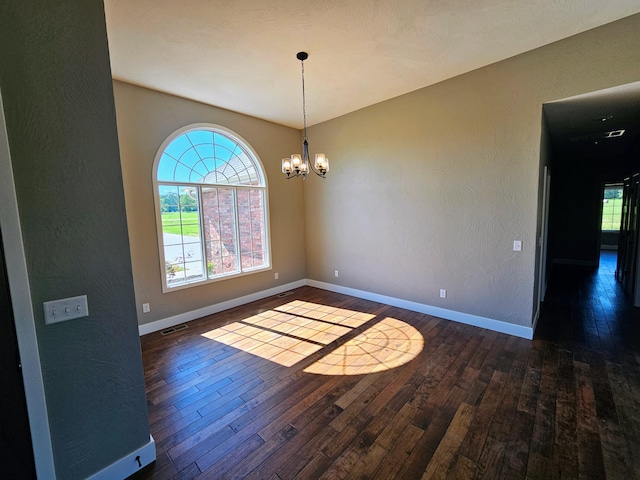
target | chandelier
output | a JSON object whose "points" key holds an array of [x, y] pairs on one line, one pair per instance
{"points": [[298, 165]]}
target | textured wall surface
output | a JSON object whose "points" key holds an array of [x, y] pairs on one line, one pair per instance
{"points": [[146, 119], [58, 101], [430, 189]]}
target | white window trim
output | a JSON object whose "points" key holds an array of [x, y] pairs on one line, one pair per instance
{"points": [[156, 197]]}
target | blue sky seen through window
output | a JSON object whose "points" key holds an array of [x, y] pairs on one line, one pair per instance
{"points": [[203, 156]]}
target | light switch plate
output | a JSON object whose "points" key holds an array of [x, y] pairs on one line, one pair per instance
{"points": [[517, 245], [65, 309]]}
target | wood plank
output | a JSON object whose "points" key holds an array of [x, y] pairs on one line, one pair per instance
{"points": [[542, 437], [399, 452], [232, 458], [287, 462], [476, 436], [244, 430], [244, 465], [445, 454], [590, 462], [368, 463], [315, 468], [341, 467], [396, 427], [623, 442]]}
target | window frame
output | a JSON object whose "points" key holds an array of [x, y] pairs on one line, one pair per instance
{"points": [[260, 170]]}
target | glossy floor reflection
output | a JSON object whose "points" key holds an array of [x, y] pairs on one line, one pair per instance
{"points": [[588, 306], [291, 332]]}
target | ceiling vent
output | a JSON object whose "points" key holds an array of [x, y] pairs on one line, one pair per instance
{"points": [[597, 136], [614, 134]]}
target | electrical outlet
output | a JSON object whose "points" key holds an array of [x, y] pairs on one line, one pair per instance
{"points": [[275, 275], [336, 273], [146, 308], [443, 293]]}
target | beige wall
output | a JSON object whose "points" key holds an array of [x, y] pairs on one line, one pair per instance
{"points": [[426, 191], [429, 190], [145, 119]]}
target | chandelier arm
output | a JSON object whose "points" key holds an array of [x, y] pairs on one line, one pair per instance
{"points": [[316, 171]]}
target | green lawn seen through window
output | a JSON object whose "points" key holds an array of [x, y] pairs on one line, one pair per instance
{"points": [[185, 223]]}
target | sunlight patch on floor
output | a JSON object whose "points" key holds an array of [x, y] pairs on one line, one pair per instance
{"points": [[290, 333], [385, 345]]}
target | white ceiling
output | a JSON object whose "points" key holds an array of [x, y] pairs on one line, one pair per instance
{"points": [[240, 54]]}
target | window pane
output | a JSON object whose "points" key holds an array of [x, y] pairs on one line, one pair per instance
{"points": [[181, 234], [166, 168], [219, 230], [178, 146], [612, 208], [200, 137], [203, 156], [251, 226]]}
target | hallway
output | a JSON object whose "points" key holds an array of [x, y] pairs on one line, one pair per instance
{"points": [[586, 309], [591, 369]]}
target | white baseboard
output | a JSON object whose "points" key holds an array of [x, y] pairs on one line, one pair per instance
{"points": [[168, 322], [482, 322], [129, 464], [488, 323]]}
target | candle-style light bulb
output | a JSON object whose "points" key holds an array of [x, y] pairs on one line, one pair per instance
{"points": [[296, 161], [286, 166]]}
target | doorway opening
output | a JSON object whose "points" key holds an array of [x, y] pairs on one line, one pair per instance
{"points": [[589, 144], [16, 453]]}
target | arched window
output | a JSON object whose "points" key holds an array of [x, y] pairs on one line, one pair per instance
{"points": [[211, 204]]}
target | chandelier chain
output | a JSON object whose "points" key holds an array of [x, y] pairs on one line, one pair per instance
{"points": [[304, 103]]}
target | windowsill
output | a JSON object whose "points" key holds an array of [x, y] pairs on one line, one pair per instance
{"points": [[199, 283]]}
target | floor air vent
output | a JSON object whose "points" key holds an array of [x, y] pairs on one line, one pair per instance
{"points": [[175, 329], [285, 294]]}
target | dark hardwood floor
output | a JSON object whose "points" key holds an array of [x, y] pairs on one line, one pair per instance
{"points": [[321, 385]]}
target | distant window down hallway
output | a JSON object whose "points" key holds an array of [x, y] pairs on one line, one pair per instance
{"points": [[612, 207]]}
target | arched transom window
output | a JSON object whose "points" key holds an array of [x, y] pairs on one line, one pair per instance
{"points": [[211, 203]]}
